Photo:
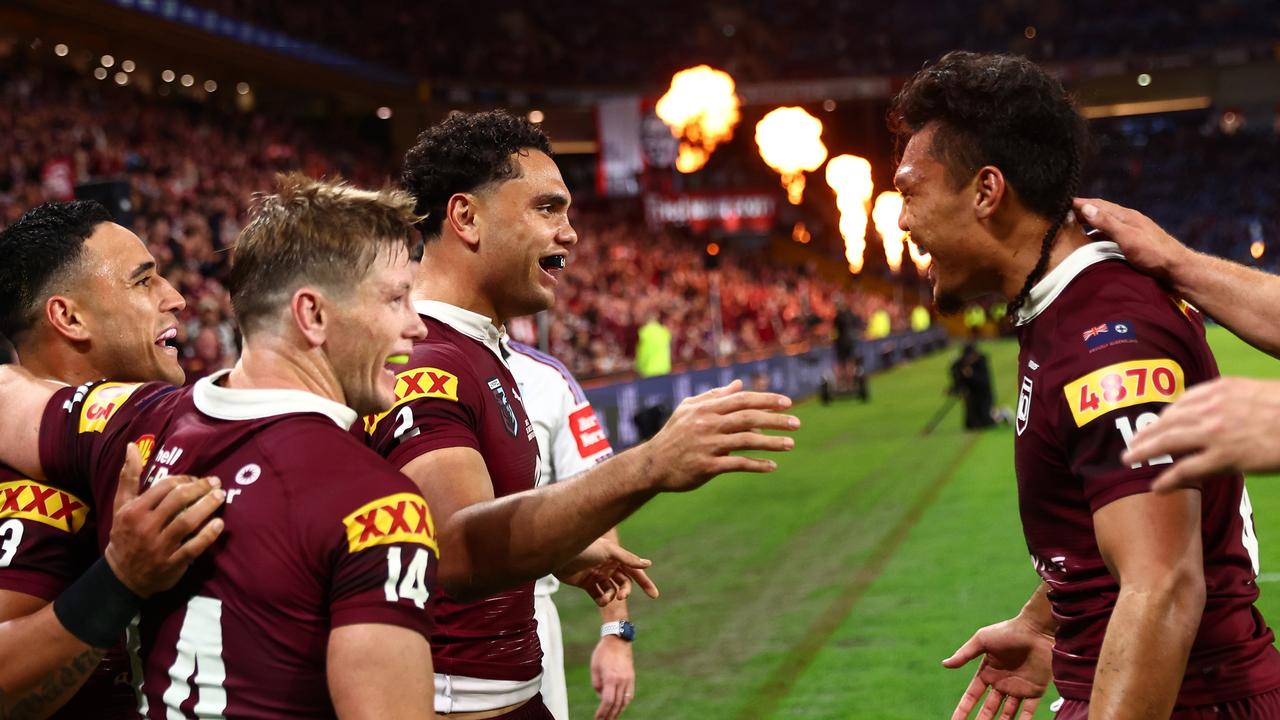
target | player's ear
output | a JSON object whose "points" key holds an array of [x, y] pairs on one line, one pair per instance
{"points": [[67, 318], [989, 189], [460, 215], [311, 315]]}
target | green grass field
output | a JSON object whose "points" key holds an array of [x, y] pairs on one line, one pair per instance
{"points": [[834, 587]]}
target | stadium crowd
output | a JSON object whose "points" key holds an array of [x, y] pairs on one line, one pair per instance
{"points": [[644, 43], [192, 170]]}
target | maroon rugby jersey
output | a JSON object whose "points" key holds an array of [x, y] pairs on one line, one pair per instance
{"points": [[457, 392], [47, 539], [1104, 351], [320, 533]]}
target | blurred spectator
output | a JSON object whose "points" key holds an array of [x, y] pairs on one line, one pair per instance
{"points": [[653, 348]]}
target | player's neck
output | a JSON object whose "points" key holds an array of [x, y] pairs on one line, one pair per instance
{"points": [[61, 364], [1070, 238], [268, 364], [455, 287]]}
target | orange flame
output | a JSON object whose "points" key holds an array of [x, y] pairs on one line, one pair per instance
{"points": [[850, 177], [790, 141], [701, 108], [1257, 248], [885, 215], [922, 260]]}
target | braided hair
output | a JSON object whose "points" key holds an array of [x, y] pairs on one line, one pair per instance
{"points": [[1005, 111], [1046, 244]]}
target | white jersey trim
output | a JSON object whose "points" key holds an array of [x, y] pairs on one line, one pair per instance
{"points": [[1052, 284], [255, 404], [459, 693], [472, 324]]}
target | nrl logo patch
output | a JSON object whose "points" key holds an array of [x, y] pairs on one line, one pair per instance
{"points": [[508, 412], [1023, 418]]}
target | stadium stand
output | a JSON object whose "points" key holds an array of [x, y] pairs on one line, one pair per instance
{"points": [[629, 43]]}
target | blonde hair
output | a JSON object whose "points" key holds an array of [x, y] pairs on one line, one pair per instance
{"points": [[314, 232]]}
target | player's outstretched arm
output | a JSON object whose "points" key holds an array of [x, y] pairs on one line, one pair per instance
{"points": [[489, 544], [1016, 667], [380, 672], [1223, 426], [1244, 300], [22, 402], [155, 537], [1151, 544]]}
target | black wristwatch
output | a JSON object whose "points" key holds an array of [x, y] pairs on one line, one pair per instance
{"points": [[621, 628]]}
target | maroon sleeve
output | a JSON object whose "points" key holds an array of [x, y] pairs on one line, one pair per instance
{"points": [[1111, 391], [437, 408], [81, 433], [46, 539], [379, 540]]}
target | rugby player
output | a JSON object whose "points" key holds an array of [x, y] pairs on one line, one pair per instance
{"points": [[1226, 425], [571, 441], [1145, 608], [81, 299], [313, 603], [497, 237]]}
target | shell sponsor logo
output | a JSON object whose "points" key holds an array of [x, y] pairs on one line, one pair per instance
{"points": [[416, 384], [103, 402], [146, 445], [399, 518], [30, 500]]}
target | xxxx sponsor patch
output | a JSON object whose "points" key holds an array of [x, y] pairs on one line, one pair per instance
{"points": [[416, 384], [1122, 385], [30, 500], [399, 518]]}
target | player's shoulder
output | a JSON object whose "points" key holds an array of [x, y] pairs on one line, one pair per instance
{"points": [[95, 404], [310, 441], [549, 372]]}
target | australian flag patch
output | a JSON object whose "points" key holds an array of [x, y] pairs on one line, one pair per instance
{"points": [[1108, 333]]}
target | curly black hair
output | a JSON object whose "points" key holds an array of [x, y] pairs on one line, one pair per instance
{"points": [[39, 250], [1006, 111], [462, 153]]}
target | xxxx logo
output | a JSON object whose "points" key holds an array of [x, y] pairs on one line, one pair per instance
{"points": [[398, 518], [418, 383], [29, 500]]}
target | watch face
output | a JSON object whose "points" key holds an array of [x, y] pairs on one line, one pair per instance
{"points": [[628, 632]]}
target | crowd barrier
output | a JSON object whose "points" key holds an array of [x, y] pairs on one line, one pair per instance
{"points": [[798, 376]]}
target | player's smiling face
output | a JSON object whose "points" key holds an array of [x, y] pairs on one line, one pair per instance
{"points": [[526, 236], [374, 324], [129, 309], [941, 219]]}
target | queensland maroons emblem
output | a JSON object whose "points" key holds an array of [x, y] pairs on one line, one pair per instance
{"points": [[504, 405]]}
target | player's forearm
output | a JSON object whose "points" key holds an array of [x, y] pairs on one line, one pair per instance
{"points": [[43, 666], [1144, 655], [1244, 300], [522, 537]]}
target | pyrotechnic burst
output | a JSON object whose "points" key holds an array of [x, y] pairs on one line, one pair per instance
{"points": [[790, 141], [701, 108], [885, 215], [850, 177]]}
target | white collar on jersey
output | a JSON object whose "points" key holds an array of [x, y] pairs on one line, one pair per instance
{"points": [[242, 404], [1051, 286], [472, 324]]}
